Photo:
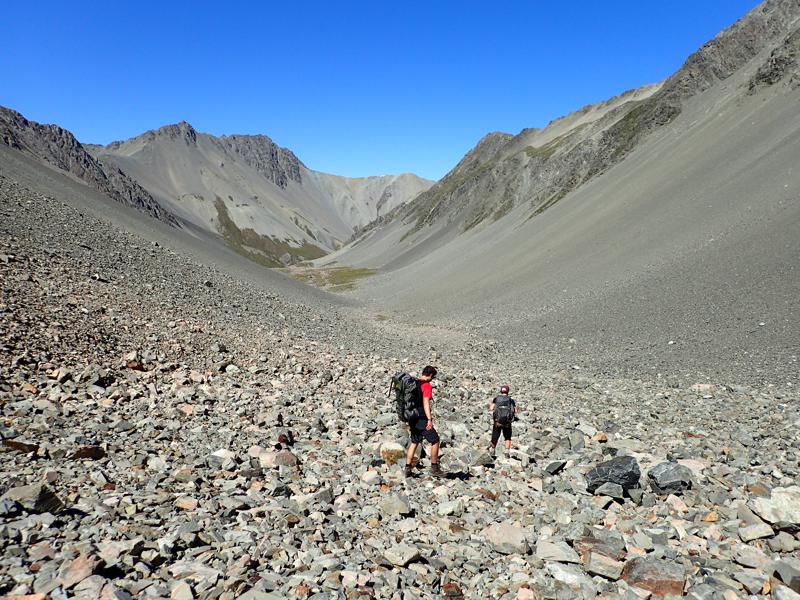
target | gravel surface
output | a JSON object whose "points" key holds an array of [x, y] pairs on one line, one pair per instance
{"points": [[172, 430]]}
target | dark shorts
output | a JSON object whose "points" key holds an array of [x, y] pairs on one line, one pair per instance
{"points": [[419, 433], [496, 429]]}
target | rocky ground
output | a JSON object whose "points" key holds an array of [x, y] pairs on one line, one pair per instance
{"points": [[169, 432]]}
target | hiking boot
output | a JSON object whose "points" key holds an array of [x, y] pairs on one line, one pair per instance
{"points": [[436, 470], [409, 471], [492, 451]]}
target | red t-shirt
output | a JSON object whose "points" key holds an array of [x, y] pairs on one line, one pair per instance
{"points": [[427, 389]]}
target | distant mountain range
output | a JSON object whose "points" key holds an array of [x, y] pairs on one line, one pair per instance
{"points": [[262, 200], [58, 148]]}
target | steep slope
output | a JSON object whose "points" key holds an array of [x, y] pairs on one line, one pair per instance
{"points": [[57, 147], [533, 169], [263, 201], [538, 168], [685, 251]]}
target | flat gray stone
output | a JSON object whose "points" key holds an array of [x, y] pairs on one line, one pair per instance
{"points": [[395, 505], [781, 592], [599, 564], [454, 507], [755, 532], [556, 551], [610, 489], [670, 478], [401, 555]]}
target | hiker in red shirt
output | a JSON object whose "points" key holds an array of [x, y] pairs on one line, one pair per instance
{"points": [[422, 426]]}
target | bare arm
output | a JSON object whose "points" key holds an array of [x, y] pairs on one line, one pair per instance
{"points": [[426, 406]]}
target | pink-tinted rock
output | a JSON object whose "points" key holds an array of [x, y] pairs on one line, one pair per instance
{"points": [[659, 577]]}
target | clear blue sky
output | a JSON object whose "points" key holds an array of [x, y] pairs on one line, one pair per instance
{"points": [[353, 88]]}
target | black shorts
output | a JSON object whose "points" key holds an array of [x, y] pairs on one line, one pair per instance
{"points": [[419, 433], [496, 429]]}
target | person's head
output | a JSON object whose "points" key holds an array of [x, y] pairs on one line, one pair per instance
{"points": [[504, 389], [428, 373]]}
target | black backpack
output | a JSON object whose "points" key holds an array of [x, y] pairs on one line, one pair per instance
{"points": [[407, 394], [503, 410]]}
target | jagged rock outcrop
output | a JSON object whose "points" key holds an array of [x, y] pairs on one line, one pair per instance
{"points": [[781, 65], [57, 147], [276, 164]]}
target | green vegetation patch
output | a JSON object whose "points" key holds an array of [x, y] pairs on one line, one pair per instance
{"points": [[545, 152], [335, 279], [540, 152], [628, 129], [505, 205], [547, 204], [262, 249]]}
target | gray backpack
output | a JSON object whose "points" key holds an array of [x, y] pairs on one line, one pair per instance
{"points": [[407, 396]]}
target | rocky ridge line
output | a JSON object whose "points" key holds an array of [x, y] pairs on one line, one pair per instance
{"points": [[58, 147], [501, 171]]}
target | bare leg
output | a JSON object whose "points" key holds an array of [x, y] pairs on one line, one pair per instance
{"points": [[435, 453], [412, 448], [508, 444]]}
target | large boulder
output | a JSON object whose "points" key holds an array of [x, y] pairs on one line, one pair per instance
{"points": [[36, 498], [660, 577], [670, 478], [392, 453], [507, 538], [622, 470], [782, 508]]}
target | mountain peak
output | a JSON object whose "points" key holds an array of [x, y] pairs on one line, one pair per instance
{"points": [[182, 130]]}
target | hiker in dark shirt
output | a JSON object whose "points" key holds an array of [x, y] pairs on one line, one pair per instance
{"points": [[422, 426], [503, 409]]}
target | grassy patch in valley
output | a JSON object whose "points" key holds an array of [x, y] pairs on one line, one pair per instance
{"points": [[335, 279]]}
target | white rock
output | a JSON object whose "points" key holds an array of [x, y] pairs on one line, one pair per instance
{"points": [[782, 507], [454, 507], [507, 538], [401, 554]]}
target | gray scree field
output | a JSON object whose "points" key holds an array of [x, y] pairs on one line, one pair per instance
{"points": [[178, 421]]}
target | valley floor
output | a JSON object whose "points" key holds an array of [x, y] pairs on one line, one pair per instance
{"points": [[146, 405]]}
